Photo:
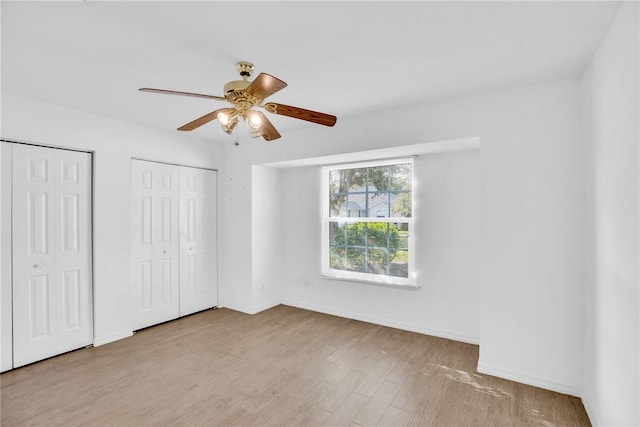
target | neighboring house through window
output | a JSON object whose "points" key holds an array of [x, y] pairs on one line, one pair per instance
{"points": [[367, 218]]}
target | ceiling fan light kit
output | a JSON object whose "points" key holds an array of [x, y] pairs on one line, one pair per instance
{"points": [[245, 96]]}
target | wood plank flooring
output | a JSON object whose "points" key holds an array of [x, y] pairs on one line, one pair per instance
{"points": [[281, 367]]}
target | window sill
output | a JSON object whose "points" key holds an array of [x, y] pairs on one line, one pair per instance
{"points": [[382, 283]]}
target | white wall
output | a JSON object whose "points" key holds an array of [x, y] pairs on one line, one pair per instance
{"points": [[267, 227], [530, 284], [610, 86], [113, 144], [447, 239], [234, 254]]}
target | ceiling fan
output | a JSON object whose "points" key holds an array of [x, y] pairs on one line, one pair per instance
{"points": [[245, 95]]}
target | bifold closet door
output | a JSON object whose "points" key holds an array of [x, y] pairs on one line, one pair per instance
{"points": [[155, 242], [51, 249], [198, 240]]}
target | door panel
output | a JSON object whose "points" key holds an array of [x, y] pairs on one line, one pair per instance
{"points": [[73, 250], [51, 248], [72, 300], [145, 284], [70, 223], [155, 257], [198, 240], [34, 308], [40, 306], [38, 222]]}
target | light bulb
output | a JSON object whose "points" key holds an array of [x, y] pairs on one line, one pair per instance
{"points": [[223, 118], [256, 133], [228, 128], [255, 121]]}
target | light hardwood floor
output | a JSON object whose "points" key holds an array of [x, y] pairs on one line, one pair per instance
{"points": [[284, 366]]}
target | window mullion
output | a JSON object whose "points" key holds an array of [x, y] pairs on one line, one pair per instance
{"points": [[388, 256], [366, 248]]}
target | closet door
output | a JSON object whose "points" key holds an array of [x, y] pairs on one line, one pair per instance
{"points": [[155, 242], [198, 240], [51, 247]]}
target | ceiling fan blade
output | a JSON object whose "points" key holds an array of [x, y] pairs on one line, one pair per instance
{"points": [[265, 85], [204, 119], [269, 132], [301, 113], [175, 92]]}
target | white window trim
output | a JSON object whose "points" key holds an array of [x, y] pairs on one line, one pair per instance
{"points": [[331, 273]]}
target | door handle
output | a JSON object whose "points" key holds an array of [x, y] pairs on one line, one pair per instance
{"points": [[37, 265]]}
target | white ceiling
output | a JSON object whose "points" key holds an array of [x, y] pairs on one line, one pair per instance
{"points": [[343, 58]]}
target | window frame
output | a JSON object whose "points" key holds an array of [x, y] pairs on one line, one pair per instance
{"points": [[326, 219]]}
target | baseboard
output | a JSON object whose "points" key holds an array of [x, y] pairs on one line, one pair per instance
{"points": [[111, 338], [484, 368], [354, 316], [383, 322], [236, 307], [250, 310], [590, 414], [266, 306]]}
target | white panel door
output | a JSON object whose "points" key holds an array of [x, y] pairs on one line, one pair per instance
{"points": [[155, 242], [51, 246], [198, 240]]}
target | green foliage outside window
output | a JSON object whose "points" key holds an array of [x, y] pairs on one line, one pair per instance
{"points": [[363, 246]]}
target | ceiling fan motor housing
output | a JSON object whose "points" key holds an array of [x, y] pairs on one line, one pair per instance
{"points": [[236, 85], [234, 92]]}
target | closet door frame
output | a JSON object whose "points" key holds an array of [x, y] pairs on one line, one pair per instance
{"points": [[6, 258], [6, 247]]}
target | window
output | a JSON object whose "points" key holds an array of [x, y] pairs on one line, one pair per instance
{"points": [[367, 221]]}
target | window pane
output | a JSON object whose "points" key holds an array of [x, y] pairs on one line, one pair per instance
{"points": [[403, 238], [355, 234], [399, 265], [336, 234], [337, 182], [337, 192], [347, 205], [337, 258], [379, 205], [344, 234], [335, 204], [401, 204], [356, 179], [400, 177], [355, 206], [378, 179], [355, 259], [347, 193], [378, 234], [377, 261]]}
